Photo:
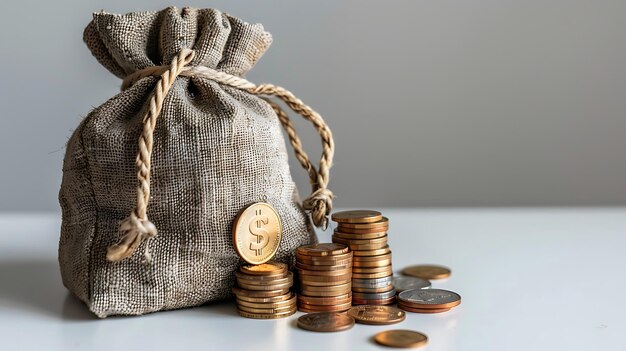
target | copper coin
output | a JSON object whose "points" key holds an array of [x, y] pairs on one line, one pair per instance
{"points": [[429, 298], [322, 268], [352, 236], [324, 259], [383, 222], [370, 264], [265, 315], [257, 293], [357, 242], [377, 315], [359, 232], [339, 309], [273, 299], [267, 310], [427, 271], [339, 287], [257, 232], [423, 310], [271, 268], [260, 279], [325, 322], [367, 247], [401, 338], [388, 301], [324, 264], [372, 290], [382, 251], [323, 249], [276, 281], [328, 279], [324, 293], [324, 300], [363, 259], [371, 275], [307, 272], [312, 283], [357, 216], [370, 270], [271, 287]]}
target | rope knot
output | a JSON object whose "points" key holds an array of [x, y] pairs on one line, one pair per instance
{"points": [[134, 231], [320, 203]]}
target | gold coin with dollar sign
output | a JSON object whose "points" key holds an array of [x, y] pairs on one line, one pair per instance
{"points": [[257, 232]]}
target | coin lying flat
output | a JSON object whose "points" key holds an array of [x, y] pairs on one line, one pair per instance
{"points": [[401, 338], [357, 216], [377, 315], [422, 310], [325, 321], [427, 271], [382, 223], [324, 249], [429, 298], [257, 232], [408, 283]]}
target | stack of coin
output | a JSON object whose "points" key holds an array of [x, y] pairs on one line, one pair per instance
{"points": [[263, 291], [428, 300], [365, 232], [325, 273]]}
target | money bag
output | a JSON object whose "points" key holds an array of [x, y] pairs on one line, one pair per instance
{"points": [[154, 177]]}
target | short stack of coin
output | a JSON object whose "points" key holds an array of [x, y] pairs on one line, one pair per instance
{"points": [[428, 300], [365, 232], [325, 273], [263, 291]]}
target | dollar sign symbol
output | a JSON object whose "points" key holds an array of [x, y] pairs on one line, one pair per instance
{"points": [[262, 235]]}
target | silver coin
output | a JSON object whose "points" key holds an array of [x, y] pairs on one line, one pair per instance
{"points": [[372, 283], [429, 296], [408, 283], [374, 296]]}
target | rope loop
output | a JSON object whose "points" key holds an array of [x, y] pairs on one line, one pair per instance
{"points": [[136, 228]]}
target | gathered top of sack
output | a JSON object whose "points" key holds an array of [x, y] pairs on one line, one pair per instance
{"points": [[131, 42]]}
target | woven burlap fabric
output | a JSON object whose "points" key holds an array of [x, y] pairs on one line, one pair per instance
{"points": [[216, 150]]}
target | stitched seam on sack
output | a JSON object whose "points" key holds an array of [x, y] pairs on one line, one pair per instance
{"points": [[97, 210]]}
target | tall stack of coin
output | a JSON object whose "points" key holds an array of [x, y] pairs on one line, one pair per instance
{"points": [[325, 273], [263, 291], [365, 232]]}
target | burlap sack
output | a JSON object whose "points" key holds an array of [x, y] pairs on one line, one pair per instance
{"points": [[189, 137]]}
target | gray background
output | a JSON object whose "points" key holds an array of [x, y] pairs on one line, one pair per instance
{"points": [[432, 103]]}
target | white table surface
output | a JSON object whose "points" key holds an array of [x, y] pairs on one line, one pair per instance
{"points": [[531, 279]]}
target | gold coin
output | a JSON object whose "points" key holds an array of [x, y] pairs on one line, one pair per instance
{"points": [[358, 232], [273, 299], [350, 242], [257, 232], [357, 216], [383, 223], [257, 293], [325, 322], [323, 249], [322, 268], [347, 261], [265, 315], [367, 247], [427, 271], [376, 315], [272, 268], [377, 252], [351, 236], [260, 279], [401, 338]]}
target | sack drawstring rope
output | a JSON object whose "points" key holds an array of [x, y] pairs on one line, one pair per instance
{"points": [[136, 228]]}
